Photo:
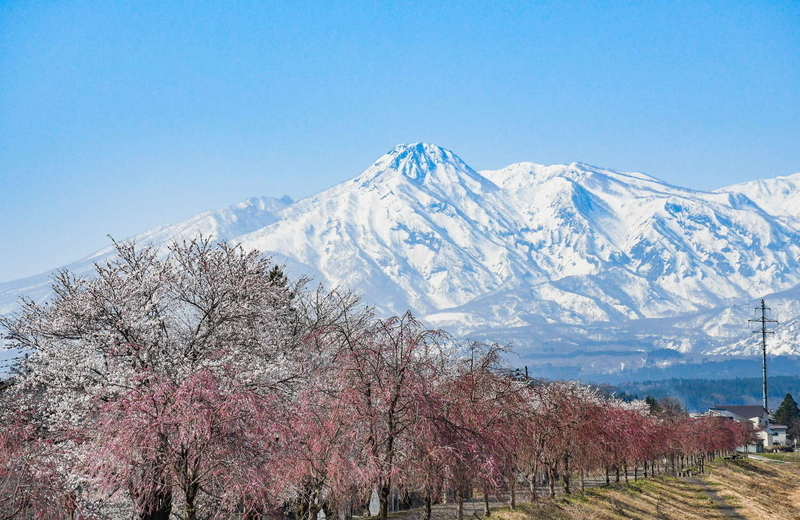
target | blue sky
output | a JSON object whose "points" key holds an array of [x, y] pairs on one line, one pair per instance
{"points": [[116, 117]]}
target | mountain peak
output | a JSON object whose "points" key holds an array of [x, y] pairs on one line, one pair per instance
{"points": [[416, 160], [423, 164]]}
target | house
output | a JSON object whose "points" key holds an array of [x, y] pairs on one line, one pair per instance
{"points": [[779, 435], [770, 434]]}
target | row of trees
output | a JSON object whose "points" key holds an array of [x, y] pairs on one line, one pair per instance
{"points": [[202, 384]]}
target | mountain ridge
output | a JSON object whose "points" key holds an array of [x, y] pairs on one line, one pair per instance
{"points": [[545, 257]]}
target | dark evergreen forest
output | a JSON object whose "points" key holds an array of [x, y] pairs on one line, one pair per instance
{"points": [[700, 394]]}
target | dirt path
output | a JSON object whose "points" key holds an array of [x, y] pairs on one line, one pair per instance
{"points": [[765, 459], [726, 509]]}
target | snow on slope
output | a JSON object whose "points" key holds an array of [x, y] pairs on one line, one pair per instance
{"points": [[418, 229], [644, 247], [779, 196], [222, 224], [549, 257]]}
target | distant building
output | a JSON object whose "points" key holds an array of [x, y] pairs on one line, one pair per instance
{"points": [[779, 434], [770, 434]]}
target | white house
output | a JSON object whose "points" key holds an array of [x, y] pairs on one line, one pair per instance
{"points": [[770, 434], [778, 434]]}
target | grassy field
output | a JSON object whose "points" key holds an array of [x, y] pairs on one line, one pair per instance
{"points": [[755, 489], [646, 499], [784, 457], [760, 489]]}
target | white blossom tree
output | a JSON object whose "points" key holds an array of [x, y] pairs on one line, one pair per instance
{"points": [[162, 371]]}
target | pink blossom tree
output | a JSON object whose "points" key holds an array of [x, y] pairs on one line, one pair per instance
{"points": [[319, 467], [32, 481], [164, 363], [482, 406], [387, 370]]}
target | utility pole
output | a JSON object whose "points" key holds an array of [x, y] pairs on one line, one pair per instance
{"points": [[763, 320]]}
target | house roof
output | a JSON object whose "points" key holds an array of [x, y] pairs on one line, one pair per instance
{"points": [[778, 426], [746, 411]]}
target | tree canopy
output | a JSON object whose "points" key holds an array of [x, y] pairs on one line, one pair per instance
{"points": [[201, 382], [788, 414]]}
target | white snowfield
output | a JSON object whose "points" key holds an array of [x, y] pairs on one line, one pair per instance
{"points": [[552, 259]]}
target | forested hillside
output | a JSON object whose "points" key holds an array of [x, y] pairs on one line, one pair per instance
{"points": [[700, 394]]}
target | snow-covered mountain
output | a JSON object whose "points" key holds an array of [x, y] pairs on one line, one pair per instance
{"points": [[223, 224], [562, 261], [418, 229], [779, 196]]}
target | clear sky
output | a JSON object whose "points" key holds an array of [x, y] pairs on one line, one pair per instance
{"points": [[116, 117]]}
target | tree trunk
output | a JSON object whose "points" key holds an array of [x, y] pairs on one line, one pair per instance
{"points": [[405, 502], [428, 506], [189, 498], [157, 503], [566, 476], [163, 506], [551, 481], [330, 514], [486, 510], [383, 497], [299, 510], [460, 507], [512, 489]]}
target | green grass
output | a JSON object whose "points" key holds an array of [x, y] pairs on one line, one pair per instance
{"points": [[783, 457]]}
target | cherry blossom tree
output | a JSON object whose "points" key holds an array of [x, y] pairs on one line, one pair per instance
{"points": [[386, 372], [320, 468], [430, 454], [33, 483], [482, 406], [167, 349]]}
